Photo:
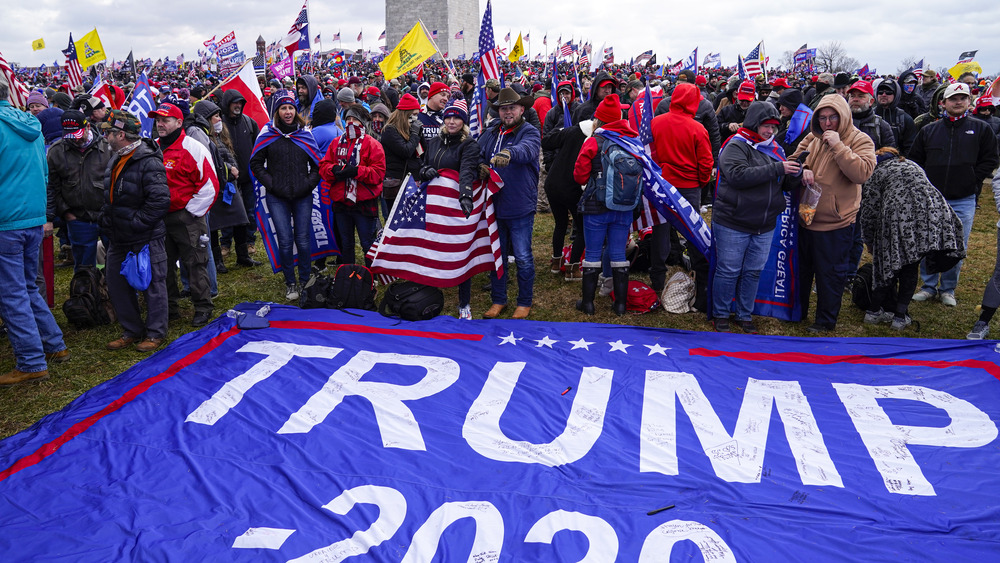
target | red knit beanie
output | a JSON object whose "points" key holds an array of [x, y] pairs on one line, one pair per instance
{"points": [[437, 88], [407, 102], [609, 109]]}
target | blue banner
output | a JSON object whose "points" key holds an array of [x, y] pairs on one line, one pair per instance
{"points": [[337, 435]]}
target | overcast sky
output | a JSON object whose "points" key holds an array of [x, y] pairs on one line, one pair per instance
{"points": [[881, 34]]}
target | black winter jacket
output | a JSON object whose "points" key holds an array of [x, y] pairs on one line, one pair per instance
{"points": [[732, 113], [285, 170], [903, 128], [565, 144], [76, 179], [135, 206], [243, 132], [586, 110], [956, 155], [877, 129], [748, 196], [454, 153], [401, 155], [911, 103]]}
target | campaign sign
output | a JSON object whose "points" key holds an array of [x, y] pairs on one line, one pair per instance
{"points": [[335, 435]]}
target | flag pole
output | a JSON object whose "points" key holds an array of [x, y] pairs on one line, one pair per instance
{"points": [[388, 219], [447, 63], [763, 60], [231, 76]]}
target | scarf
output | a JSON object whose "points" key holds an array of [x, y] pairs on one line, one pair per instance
{"points": [[349, 154], [798, 123], [760, 144]]}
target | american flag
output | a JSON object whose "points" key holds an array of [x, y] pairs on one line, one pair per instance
{"points": [[434, 34], [609, 55], [18, 92], [73, 69], [336, 36], [566, 49], [491, 69], [427, 238], [753, 63], [382, 36], [545, 39], [507, 37], [461, 32], [649, 216], [360, 33], [527, 37], [317, 38], [585, 60], [918, 69]]}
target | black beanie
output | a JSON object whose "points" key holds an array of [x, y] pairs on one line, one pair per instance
{"points": [[324, 112], [790, 98]]}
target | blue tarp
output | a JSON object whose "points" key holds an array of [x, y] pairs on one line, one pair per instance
{"points": [[332, 435]]}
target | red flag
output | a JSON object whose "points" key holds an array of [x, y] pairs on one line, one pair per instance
{"points": [[428, 239], [245, 82]]}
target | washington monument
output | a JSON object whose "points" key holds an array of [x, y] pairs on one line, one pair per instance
{"points": [[447, 17]]}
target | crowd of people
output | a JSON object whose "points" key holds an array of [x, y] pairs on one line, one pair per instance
{"points": [[895, 164]]}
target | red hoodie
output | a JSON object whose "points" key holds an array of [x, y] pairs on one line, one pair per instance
{"points": [[680, 144]]}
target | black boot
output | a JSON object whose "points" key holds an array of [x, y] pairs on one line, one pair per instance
{"points": [[220, 266], [243, 257], [586, 305], [619, 282]]}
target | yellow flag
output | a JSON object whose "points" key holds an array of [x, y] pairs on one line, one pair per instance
{"points": [[414, 49], [517, 52], [38, 44], [89, 50], [962, 68]]}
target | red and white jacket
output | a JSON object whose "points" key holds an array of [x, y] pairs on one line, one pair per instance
{"points": [[190, 176]]}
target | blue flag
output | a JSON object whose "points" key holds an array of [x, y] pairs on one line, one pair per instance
{"points": [[333, 435], [691, 63], [143, 102]]}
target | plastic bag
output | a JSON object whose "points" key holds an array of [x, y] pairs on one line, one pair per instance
{"points": [[228, 192], [808, 203], [137, 270]]}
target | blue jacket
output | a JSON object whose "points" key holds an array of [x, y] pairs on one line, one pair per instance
{"points": [[519, 195], [24, 173]]}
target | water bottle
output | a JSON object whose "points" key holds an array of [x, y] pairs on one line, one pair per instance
{"points": [[234, 314], [263, 311], [203, 241]]}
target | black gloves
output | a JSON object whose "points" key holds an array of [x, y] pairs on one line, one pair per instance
{"points": [[465, 199], [428, 173], [344, 171]]}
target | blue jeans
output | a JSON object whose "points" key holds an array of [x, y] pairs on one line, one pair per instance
{"points": [[83, 241], [31, 328], [289, 214], [515, 238], [739, 258], [965, 208], [346, 223], [610, 227]]}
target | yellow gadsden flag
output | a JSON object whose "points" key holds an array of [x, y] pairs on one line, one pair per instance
{"points": [[961, 68], [414, 49], [517, 52], [38, 44], [89, 50]]}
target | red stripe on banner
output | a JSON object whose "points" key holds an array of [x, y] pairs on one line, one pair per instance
{"points": [[775, 303], [804, 358], [51, 447], [363, 329]]}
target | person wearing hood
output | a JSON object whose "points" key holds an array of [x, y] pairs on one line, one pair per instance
{"points": [[512, 148], [35, 338], [308, 95], [934, 109], [707, 117], [909, 99], [683, 149], [136, 200], [243, 133], [957, 152], [602, 226], [795, 119], [840, 158], [985, 111], [753, 171], [61, 100], [354, 169], [423, 92], [76, 178], [285, 162], [602, 85], [887, 96], [380, 114]]}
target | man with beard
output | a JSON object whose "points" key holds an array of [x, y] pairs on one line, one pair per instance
{"points": [[731, 116], [308, 92], [887, 95], [432, 116], [603, 85], [512, 148], [860, 96]]}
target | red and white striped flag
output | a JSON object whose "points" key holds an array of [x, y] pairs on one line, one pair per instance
{"points": [[73, 69], [427, 238], [18, 91]]}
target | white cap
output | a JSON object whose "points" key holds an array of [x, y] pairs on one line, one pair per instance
{"points": [[955, 89]]}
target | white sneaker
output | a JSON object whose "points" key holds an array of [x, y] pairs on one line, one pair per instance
{"points": [[465, 313], [948, 299], [923, 295], [292, 292], [878, 317], [979, 331]]}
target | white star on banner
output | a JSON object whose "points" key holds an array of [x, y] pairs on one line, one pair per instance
{"points": [[580, 344], [545, 342], [618, 346], [509, 339], [656, 349]]}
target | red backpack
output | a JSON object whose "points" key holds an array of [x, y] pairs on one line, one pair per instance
{"points": [[641, 298]]}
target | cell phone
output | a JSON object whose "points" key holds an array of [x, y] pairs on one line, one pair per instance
{"points": [[802, 157]]}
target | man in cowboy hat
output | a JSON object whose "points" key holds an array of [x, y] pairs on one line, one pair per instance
{"points": [[512, 147]]}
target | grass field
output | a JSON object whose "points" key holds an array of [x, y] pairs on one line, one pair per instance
{"points": [[91, 364]]}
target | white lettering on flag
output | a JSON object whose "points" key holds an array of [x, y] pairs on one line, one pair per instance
{"points": [[486, 544], [660, 542], [601, 537], [391, 513]]}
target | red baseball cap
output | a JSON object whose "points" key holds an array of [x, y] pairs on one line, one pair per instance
{"points": [[167, 110], [372, 91], [747, 91], [780, 83], [863, 86]]}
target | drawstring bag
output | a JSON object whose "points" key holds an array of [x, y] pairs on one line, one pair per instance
{"points": [[137, 270]]}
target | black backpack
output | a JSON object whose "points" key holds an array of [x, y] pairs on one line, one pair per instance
{"points": [[862, 287], [316, 293], [353, 288], [89, 303], [412, 301]]}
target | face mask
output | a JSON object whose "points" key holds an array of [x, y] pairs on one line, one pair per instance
{"points": [[217, 127], [353, 130], [377, 126], [908, 88]]}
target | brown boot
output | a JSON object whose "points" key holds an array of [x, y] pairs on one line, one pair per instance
{"points": [[573, 273], [149, 344], [58, 357], [122, 342], [556, 265], [521, 313], [494, 311], [17, 376]]}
